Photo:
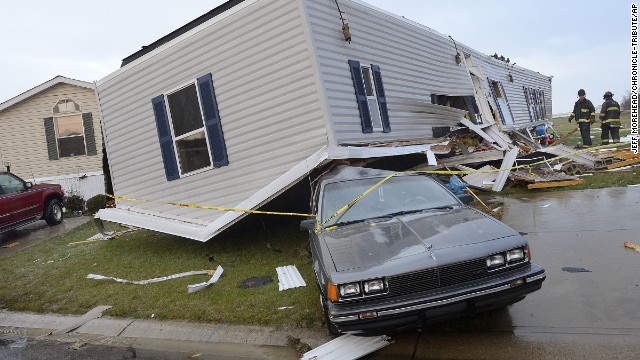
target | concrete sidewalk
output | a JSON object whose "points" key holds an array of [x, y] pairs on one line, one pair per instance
{"points": [[244, 341]]}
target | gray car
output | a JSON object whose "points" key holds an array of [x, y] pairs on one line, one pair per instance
{"points": [[397, 252]]}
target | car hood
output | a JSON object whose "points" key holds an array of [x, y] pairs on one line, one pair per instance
{"points": [[372, 243], [46, 186]]}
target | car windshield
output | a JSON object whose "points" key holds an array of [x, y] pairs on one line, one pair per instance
{"points": [[396, 196]]}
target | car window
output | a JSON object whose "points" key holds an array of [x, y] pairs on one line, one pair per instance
{"points": [[398, 194], [10, 184]]}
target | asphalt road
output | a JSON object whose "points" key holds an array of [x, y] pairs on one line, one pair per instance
{"points": [[587, 307]]}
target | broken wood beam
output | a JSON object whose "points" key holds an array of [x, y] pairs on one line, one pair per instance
{"points": [[555, 142], [549, 184], [624, 163]]}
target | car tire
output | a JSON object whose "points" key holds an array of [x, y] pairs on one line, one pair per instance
{"points": [[53, 213], [333, 330]]}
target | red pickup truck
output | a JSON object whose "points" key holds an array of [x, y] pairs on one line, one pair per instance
{"points": [[21, 202]]}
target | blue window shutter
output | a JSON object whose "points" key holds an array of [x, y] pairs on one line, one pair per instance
{"points": [[212, 121], [166, 140], [361, 96], [470, 101], [50, 133], [382, 98]]}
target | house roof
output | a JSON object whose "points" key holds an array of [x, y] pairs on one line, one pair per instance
{"points": [[42, 87], [185, 28]]}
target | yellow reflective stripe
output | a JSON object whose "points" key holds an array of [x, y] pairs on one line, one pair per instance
{"points": [[585, 110], [584, 120], [613, 108]]}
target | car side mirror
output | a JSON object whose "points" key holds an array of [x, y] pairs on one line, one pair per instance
{"points": [[465, 198], [28, 184], [309, 224]]}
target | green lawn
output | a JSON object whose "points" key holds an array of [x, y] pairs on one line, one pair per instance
{"points": [[561, 126], [51, 277]]}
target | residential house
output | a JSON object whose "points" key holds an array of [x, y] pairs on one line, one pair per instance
{"points": [[51, 133], [238, 105]]}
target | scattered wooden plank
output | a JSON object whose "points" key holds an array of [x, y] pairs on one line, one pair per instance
{"points": [[632, 246], [624, 163], [556, 142], [626, 155], [548, 184]]}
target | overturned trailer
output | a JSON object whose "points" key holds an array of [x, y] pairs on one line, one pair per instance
{"points": [[241, 103]]}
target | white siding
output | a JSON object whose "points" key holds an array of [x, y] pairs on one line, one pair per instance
{"points": [[270, 109], [23, 141], [499, 70], [415, 62]]}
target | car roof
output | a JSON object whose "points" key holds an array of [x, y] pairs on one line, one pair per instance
{"points": [[346, 172]]}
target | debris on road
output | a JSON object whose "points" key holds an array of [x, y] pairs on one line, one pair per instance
{"points": [[348, 346], [575, 269], [632, 246], [94, 313]]}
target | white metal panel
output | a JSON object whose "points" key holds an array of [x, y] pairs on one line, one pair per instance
{"points": [[289, 277], [270, 111], [85, 185], [415, 62], [348, 347]]}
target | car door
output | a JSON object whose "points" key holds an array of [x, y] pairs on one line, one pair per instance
{"points": [[23, 202], [5, 210]]}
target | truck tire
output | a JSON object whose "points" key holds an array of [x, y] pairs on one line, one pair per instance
{"points": [[53, 212]]}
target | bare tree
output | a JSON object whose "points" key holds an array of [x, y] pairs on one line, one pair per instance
{"points": [[625, 104]]}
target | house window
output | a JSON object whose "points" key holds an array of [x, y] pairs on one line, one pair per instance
{"points": [[69, 132], [497, 88], [189, 129], [70, 135], [536, 103], [370, 97]]}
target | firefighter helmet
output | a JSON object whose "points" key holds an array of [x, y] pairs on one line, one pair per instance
{"points": [[607, 94], [581, 92]]}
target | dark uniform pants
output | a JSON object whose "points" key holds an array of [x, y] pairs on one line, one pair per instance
{"points": [[606, 129], [585, 132]]}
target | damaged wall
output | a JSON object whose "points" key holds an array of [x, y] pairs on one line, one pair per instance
{"points": [[414, 60], [499, 70], [268, 103]]}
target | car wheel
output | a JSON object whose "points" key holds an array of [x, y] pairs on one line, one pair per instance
{"points": [[54, 214], [333, 330]]}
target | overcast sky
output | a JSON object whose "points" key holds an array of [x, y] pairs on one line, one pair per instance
{"points": [[582, 44]]}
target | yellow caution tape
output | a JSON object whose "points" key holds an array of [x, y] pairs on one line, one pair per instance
{"points": [[354, 201], [219, 208]]}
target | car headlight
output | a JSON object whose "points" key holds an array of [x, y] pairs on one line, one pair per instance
{"points": [[373, 286], [514, 255], [495, 260], [352, 289]]}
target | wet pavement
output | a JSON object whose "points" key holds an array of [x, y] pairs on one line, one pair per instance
{"points": [[35, 233], [576, 315], [589, 314]]}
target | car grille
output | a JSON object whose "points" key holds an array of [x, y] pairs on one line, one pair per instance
{"points": [[440, 277]]}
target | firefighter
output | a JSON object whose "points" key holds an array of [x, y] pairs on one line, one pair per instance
{"points": [[610, 117], [585, 115]]}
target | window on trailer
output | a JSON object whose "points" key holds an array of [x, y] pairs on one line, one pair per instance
{"points": [[372, 98], [188, 128]]}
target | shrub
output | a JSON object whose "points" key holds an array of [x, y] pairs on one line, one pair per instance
{"points": [[96, 203], [74, 203]]}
